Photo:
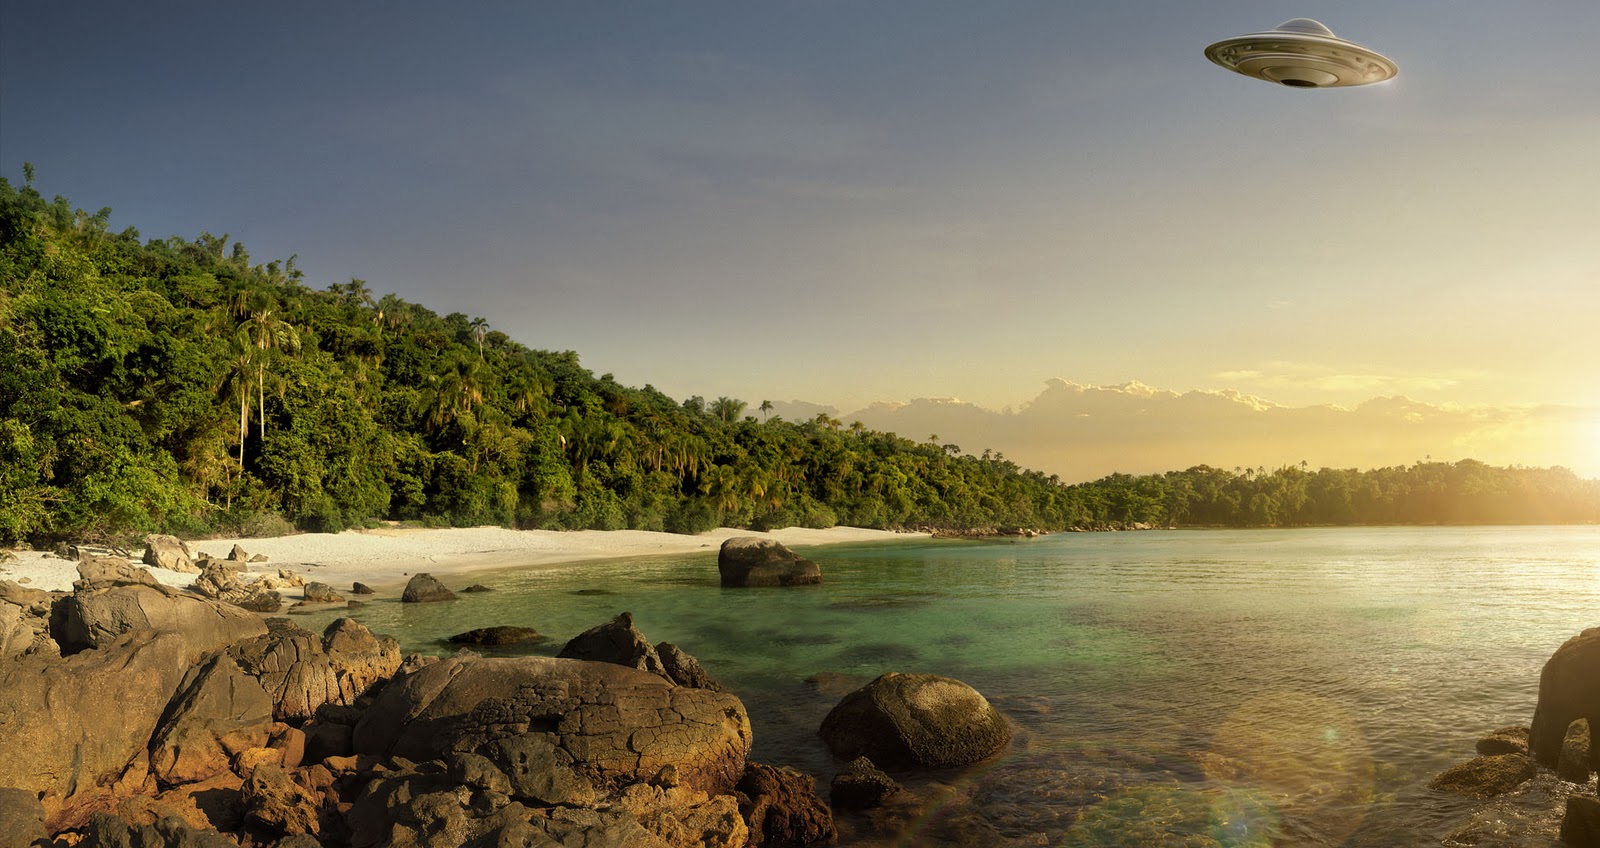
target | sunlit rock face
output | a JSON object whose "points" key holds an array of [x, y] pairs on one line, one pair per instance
{"points": [[1569, 689]]}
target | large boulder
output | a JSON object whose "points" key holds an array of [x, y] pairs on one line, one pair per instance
{"points": [[219, 712], [301, 671], [97, 572], [1569, 689], [425, 588], [782, 809], [78, 726], [609, 725], [93, 618], [754, 561], [915, 720], [1483, 777], [168, 552]]}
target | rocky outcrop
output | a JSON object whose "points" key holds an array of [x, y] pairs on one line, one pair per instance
{"points": [[424, 588], [97, 572], [93, 618], [610, 725], [220, 582], [168, 552], [1482, 777], [754, 561], [301, 671], [218, 713], [276, 804], [1580, 825], [498, 636], [861, 785], [1506, 740], [108, 831], [617, 642], [25, 630], [782, 809], [1569, 689], [83, 721], [919, 720], [1573, 766], [21, 817]]}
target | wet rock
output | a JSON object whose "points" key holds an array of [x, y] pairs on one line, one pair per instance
{"points": [[477, 588], [683, 669], [21, 817], [498, 636], [782, 809], [1483, 777], [918, 720], [93, 618], [618, 642], [84, 721], [167, 552], [359, 588], [619, 725], [1573, 766], [301, 671], [423, 588], [1569, 689], [1506, 740], [218, 712], [754, 561], [861, 785], [321, 593], [275, 803], [1580, 826]]}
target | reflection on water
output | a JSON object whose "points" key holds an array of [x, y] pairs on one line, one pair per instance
{"points": [[1194, 688]]}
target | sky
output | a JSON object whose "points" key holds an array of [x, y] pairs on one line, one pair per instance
{"points": [[897, 207]]}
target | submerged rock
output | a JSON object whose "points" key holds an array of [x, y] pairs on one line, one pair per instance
{"points": [[1483, 777], [919, 720], [754, 561], [861, 785], [498, 636]]}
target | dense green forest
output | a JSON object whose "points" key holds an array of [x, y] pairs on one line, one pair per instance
{"points": [[179, 386]]}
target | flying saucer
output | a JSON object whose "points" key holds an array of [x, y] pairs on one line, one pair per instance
{"points": [[1303, 54]]}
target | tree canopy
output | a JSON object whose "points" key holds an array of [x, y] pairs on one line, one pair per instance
{"points": [[174, 385]]}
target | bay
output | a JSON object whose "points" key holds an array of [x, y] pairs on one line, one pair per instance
{"points": [[1193, 687]]}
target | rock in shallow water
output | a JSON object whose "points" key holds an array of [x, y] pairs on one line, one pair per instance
{"points": [[861, 785], [1574, 764], [1485, 776], [425, 588], [917, 720], [754, 561], [498, 636], [1569, 689]]}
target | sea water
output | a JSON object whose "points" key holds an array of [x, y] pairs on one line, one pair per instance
{"points": [[1183, 688]]}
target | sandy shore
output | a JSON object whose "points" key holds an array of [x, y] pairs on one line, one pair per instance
{"points": [[383, 558]]}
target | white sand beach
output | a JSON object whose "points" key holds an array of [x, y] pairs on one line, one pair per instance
{"points": [[384, 558]]}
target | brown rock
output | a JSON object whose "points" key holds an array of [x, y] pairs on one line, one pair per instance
{"points": [[1580, 826], [321, 593], [619, 725], [209, 804], [618, 642], [291, 741], [360, 589], [686, 818], [754, 561], [1569, 689], [21, 817], [104, 572], [423, 588], [1573, 766], [108, 831], [783, 810], [1483, 777], [237, 554], [84, 721], [919, 720], [498, 636], [93, 618], [300, 672], [861, 785], [683, 669], [1506, 740], [275, 803], [218, 713], [167, 552]]}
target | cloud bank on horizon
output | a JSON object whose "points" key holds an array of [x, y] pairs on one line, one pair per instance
{"points": [[1083, 432]]}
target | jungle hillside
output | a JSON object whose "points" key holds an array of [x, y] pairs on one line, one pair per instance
{"points": [[180, 386]]}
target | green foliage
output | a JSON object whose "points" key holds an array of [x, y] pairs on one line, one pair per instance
{"points": [[173, 385]]}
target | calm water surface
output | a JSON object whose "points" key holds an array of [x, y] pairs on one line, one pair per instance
{"points": [[1194, 688]]}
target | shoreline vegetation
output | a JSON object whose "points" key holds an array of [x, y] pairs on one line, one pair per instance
{"points": [[179, 387]]}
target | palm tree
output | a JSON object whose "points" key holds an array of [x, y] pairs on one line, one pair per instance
{"points": [[480, 328], [266, 333], [766, 409], [235, 383]]}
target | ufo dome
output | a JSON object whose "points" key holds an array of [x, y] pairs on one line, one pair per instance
{"points": [[1301, 53]]}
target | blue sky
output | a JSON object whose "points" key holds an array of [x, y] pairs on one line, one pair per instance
{"points": [[849, 202]]}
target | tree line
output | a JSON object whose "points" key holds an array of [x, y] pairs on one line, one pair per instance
{"points": [[179, 386]]}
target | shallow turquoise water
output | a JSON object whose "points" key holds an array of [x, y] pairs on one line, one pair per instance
{"points": [[1168, 688]]}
